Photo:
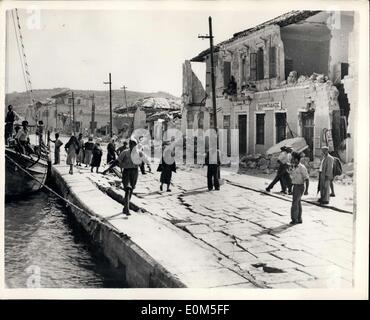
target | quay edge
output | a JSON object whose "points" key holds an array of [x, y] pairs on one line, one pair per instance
{"points": [[138, 268]]}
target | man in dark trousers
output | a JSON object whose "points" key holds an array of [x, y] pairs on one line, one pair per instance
{"points": [[213, 162], [282, 174], [9, 122], [58, 144], [129, 160], [325, 175], [300, 180]]}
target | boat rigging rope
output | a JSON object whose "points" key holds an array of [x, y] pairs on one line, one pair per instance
{"points": [[27, 73], [64, 199], [19, 52]]}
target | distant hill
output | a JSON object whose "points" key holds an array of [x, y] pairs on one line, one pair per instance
{"points": [[20, 100]]}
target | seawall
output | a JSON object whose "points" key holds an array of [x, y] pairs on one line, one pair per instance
{"points": [[147, 249], [137, 267]]}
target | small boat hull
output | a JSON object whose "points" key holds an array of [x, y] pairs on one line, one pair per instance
{"points": [[22, 171]]}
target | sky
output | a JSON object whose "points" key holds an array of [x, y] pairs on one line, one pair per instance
{"points": [[142, 49]]}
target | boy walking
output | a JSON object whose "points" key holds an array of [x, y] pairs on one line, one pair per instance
{"points": [[129, 160]]}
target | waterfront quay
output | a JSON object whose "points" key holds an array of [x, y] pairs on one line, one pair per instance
{"points": [[238, 237]]}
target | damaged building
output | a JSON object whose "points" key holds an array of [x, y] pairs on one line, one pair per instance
{"points": [[154, 114], [284, 78]]}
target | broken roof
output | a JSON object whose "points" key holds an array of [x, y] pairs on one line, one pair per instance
{"points": [[282, 21], [152, 103], [61, 94], [164, 115]]}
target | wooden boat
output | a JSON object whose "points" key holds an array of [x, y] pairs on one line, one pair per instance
{"points": [[24, 173]]}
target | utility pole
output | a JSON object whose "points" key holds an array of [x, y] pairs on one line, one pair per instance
{"points": [[124, 93], [110, 106], [56, 115], [92, 127], [213, 84], [70, 113], [47, 123], [73, 110]]}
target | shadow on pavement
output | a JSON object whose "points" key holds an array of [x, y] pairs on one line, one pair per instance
{"points": [[195, 191], [275, 230]]}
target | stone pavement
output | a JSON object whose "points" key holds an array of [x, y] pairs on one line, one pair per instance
{"points": [[246, 230], [250, 230]]}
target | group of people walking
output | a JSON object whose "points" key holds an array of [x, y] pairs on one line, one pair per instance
{"points": [[130, 157], [79, 152]]}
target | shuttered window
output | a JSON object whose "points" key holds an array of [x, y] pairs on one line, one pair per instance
{"points": [[227, 73], [253, 66], [244, 71], [272, 62], [260, 67]]}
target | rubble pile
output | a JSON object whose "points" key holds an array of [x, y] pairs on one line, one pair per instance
{"points": [[265, 164], [315, 78], [347, 177]]}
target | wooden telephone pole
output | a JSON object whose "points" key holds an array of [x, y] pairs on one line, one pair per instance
{"points": [[124, 93], [110, 106], [92, 126], [56, 115], [73, 110], [213, 84]]}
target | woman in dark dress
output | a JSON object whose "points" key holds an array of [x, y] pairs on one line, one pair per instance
{"points": [[111, 148], [167, 166], [89, 146], [97, 153]]}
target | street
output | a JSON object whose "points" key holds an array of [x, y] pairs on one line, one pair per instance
{"points": [[250, 229]]}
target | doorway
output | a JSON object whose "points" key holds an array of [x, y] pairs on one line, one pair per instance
{"points": [[242, 126], [307, 120], [280, 123]]}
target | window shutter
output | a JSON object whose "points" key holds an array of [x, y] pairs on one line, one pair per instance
{"points": [[227, 73], [253, 64], [260, 68], [272, 62]]}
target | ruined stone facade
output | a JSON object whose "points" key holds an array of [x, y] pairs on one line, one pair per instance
{"points": [[288, 72]]}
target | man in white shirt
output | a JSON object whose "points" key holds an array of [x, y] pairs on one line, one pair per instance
{"points": [[300, 181]]}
